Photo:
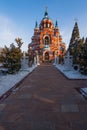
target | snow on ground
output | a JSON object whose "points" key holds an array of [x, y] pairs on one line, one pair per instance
{"points": [[9, 80], [83, 91], [69, 72]]}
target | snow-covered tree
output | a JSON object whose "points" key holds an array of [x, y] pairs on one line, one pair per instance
{"points": [[74, 38]]}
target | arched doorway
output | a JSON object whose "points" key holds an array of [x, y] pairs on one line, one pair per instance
{"points": [[47, 56]]}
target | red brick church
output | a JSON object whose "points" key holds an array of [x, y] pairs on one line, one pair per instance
{"points": [[47, 41]]}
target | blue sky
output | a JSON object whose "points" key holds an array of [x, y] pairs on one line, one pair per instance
{"points": [[18, 17]]}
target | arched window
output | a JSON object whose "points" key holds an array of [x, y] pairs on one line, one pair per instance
{"points": [[46, 25], [46, 40]]}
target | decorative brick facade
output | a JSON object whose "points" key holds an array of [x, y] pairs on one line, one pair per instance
{"points": [[47, 40]]}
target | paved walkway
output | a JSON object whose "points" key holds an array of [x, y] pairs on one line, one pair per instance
{"points": [[45, 100]]}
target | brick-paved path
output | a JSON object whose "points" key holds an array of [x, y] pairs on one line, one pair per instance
{"points": [[46, 100]]}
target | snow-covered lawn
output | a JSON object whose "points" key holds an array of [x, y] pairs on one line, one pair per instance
{"points": [[9, 80], [69, 72]]}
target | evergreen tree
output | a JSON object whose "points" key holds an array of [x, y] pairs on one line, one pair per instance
{"points": [[79, 51], [74, 38], [84, 53], [11, 58], [19, 42]]}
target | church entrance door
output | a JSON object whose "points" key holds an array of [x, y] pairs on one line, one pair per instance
{"points": [[47, 56]]}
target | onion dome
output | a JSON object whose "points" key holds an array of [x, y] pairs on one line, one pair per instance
{"points": [[46, 14], [46, 21]]}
